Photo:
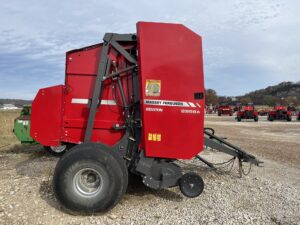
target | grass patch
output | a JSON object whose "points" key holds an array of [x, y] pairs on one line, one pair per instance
{"points": [[7, 136]]}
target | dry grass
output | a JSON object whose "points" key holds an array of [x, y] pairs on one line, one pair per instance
{"points": [[7, 117]]}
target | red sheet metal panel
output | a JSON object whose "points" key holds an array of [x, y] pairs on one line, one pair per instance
{"points": [[81, 70], [171, 73], [46, 116]]}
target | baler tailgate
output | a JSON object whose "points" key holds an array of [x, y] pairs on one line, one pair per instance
{"points": [[172, 87]]}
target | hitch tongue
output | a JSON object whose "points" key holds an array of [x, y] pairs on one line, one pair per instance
{"points": [[219, 144]]}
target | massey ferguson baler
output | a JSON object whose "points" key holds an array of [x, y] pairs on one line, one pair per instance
{"points": [[132, 104]]}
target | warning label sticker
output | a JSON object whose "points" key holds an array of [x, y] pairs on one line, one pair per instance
{"points": [[153, 87], [154, 137]]}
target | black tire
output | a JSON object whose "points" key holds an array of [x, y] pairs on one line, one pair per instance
{"points": [[219, 113], [298, 118], [57, 150], [90, 178], [270, 118], [255, 118], [191, 185], [239, 119], [230, 114], [289, 118]]}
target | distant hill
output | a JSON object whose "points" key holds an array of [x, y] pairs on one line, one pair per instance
{"points": [[17, 102], [286, 92], [283, 93]]}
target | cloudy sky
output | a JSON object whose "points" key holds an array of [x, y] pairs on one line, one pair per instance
{"points": [[248, 44]]}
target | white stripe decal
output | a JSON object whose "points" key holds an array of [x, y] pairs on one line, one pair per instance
{"points": [[80, 101], [86, 101], [108, 102], [198, 105], [192, 104], [166, 103]]}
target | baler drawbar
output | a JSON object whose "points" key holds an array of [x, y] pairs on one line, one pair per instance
{"points": [[214, 142], [133, 104]]}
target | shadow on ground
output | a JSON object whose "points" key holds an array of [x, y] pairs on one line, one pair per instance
{"points": [[31, 160], [28, 149], [47, 194], [137, 188]]}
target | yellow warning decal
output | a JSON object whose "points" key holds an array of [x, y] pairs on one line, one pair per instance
{"points": [[158, 137], [153, 87], [154, 137]]}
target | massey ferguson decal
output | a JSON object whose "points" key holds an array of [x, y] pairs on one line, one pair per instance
{"points": [[171, 103]]}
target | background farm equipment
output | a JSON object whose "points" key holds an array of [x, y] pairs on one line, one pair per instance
{"points": [[298, 116], [210, 109], [280, 112], [22, 126], [22, 132], [224, 109], [237, 107], [247, 112], [127, 111]]}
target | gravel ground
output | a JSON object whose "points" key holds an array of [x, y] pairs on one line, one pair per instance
{"points": [[268, 195]]}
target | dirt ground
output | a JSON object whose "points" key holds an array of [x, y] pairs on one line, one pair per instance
{"points": [[268, 195]]}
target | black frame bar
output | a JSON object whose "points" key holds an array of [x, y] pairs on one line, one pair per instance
{"points": [[110, 40]]}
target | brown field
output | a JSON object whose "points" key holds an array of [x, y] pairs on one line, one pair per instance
{"points": [[268, 195], [6, 126]]}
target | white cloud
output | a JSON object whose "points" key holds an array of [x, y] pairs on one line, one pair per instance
{"points": [[243, 39]]}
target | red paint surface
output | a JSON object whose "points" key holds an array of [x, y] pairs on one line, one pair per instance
{"points": [[173, 54], [46, 116]]}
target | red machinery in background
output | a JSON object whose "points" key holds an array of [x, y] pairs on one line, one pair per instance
{"points": [[247, 112], [280, 112], [132, 104], [224, 109]]}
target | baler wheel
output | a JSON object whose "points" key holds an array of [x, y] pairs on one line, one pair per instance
{"points": [[191, 185], [239, 118], [289, 118], [90, 178], [57, 150], [255, 118], [270, 118]]}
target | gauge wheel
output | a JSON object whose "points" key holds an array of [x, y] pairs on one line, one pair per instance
{"points": [[191, 185]]}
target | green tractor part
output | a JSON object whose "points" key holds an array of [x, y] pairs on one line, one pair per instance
{"points": [[22, 126]]}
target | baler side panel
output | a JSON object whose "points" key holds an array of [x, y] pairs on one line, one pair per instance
{"points": [[81, 70], [170, 56], [46, 116]]}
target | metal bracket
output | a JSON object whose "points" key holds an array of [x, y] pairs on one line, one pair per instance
{"points": [[110, 39]]}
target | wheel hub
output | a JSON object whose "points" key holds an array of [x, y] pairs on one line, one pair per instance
{"points": [[58, 149], [87, 182]]}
